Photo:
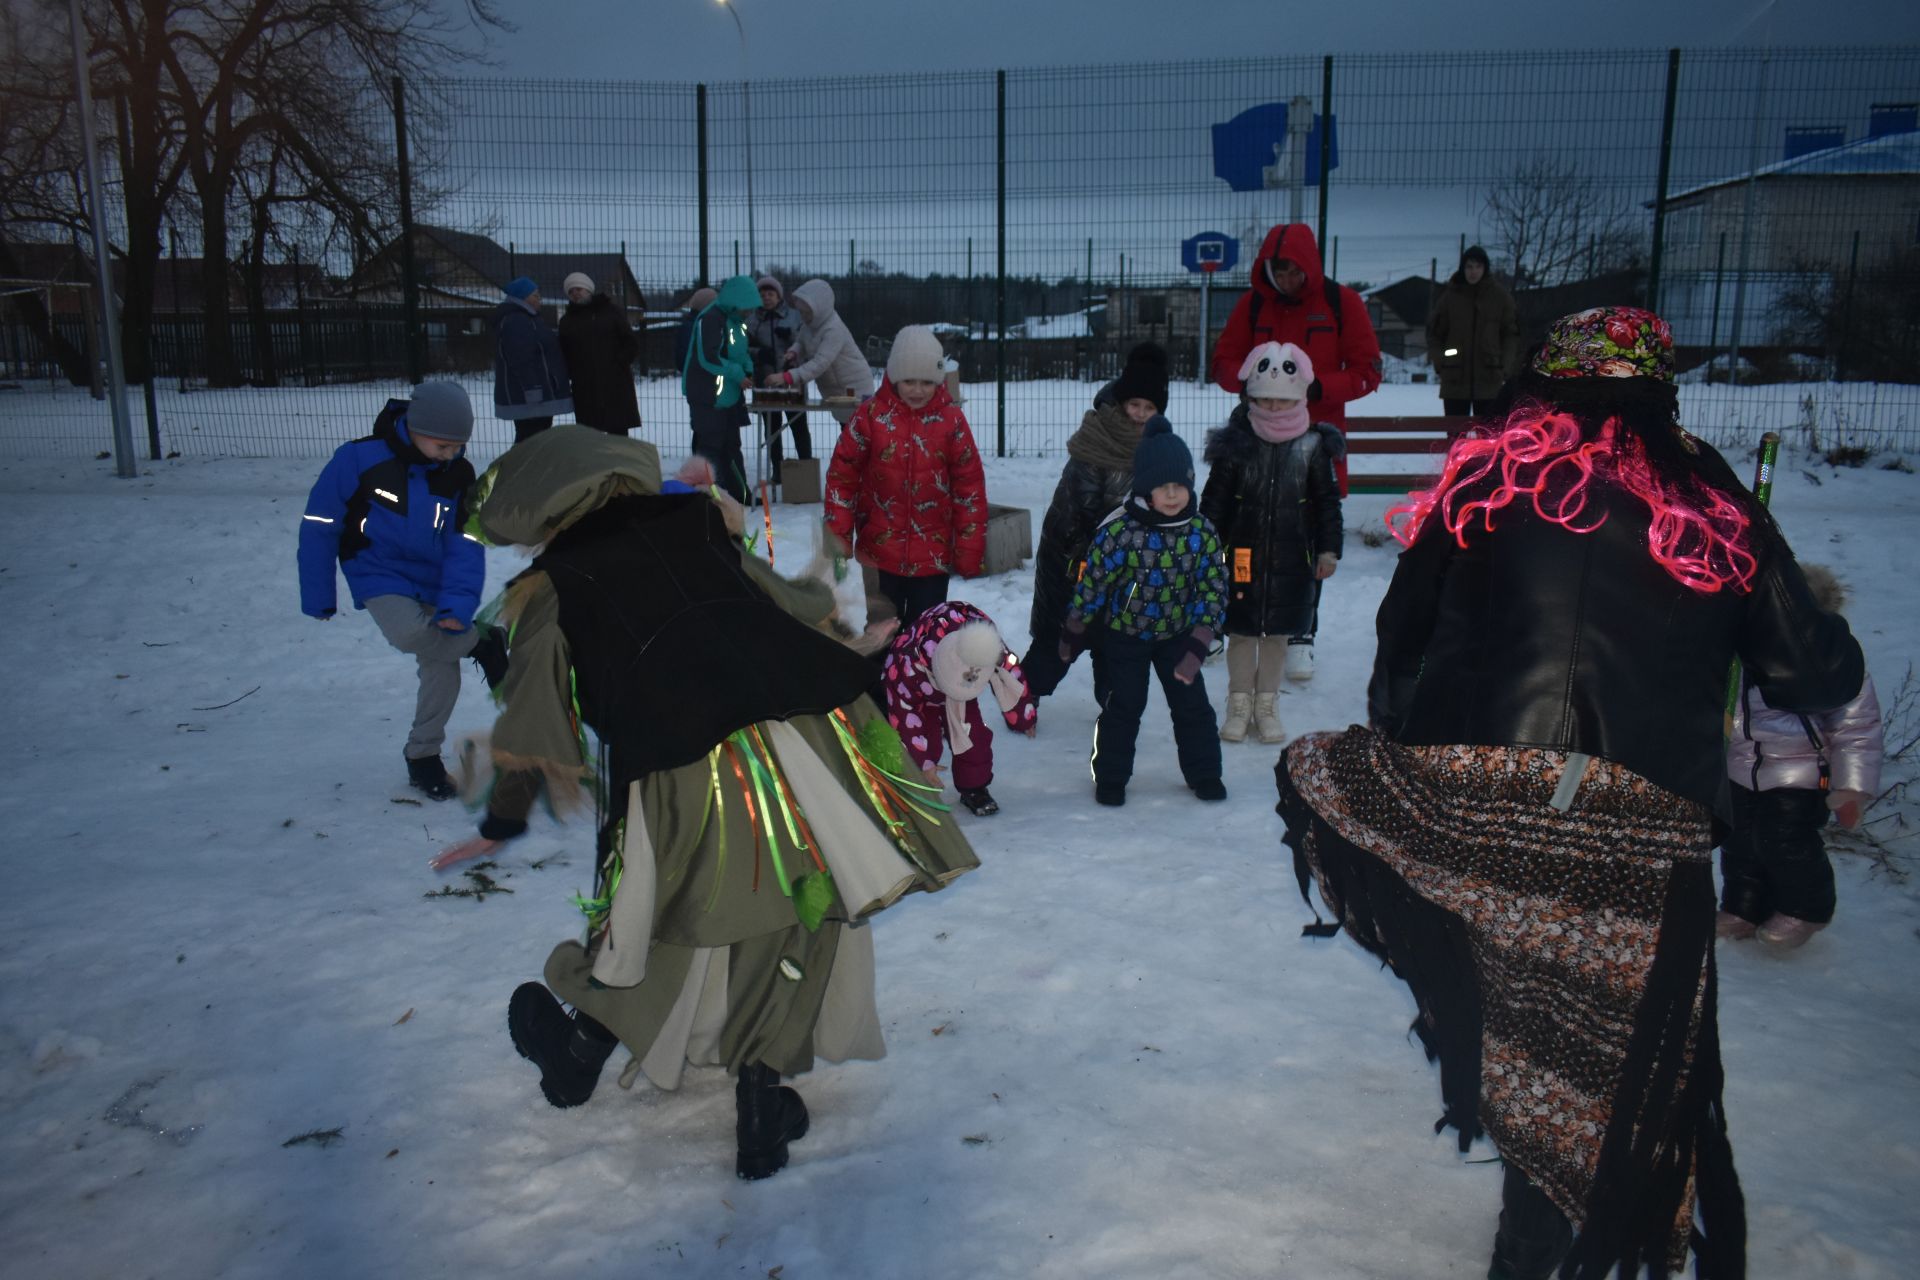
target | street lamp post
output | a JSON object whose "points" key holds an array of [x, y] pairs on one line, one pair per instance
{"points": [[746, 101]]}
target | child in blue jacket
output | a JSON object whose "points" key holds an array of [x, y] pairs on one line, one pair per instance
{"points": [[390, 509]]}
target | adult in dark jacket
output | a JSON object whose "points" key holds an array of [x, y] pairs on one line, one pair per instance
{"points": [[530, 383], [713, 379], [1272, 494], [1291, 300], [600, 347], [1525, 831], [1472, 336], [1096, 480], [390, 510], [770, 333]]}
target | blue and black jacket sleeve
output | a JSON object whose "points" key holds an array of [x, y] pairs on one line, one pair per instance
{"points": [[320, 529]]}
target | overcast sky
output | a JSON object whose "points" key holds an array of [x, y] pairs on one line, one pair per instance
{"points": [[696, 40]]}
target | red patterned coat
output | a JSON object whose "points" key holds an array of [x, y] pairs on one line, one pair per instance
{"points": [[905, 488]]}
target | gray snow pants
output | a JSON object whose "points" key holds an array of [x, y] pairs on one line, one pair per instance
{"points": [[408, 626]]}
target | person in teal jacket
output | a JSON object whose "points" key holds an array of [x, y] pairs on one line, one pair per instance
{"points": [[718, 365]]}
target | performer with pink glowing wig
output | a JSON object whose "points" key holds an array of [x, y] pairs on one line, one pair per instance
{"points": [[1524, 829]]}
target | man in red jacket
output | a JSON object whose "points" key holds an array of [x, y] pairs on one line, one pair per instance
{"points": [[1292, 301]]}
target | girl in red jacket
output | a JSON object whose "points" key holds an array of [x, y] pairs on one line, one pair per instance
{"points": [[905, 490]]}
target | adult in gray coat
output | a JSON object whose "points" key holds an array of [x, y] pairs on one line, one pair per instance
{"points": [[1472, 336], [530, 383], [824, 351]]}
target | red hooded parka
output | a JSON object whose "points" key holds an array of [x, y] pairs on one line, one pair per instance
{"points": [[1344, 351]]}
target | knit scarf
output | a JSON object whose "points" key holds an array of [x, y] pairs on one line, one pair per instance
{"points": [[1106, 439], [1277, 426]]}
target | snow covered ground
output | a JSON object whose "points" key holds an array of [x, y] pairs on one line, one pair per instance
{"points": [[1111, 1052]]}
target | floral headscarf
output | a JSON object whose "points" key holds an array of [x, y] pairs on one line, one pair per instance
{"points": [[1607, 342]]}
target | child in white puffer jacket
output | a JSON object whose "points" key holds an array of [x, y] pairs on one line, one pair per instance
{"points": [[1788, 773]]}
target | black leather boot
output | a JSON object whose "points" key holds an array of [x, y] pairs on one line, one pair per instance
{"points": [[770, 1115], [568, 1048], [1534, 1235]]}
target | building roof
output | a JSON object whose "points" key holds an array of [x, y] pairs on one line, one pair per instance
{"points": [[490, 261], [1894, 155]]}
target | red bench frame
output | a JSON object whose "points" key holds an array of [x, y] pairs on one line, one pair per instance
{"points": [[1422, 437]]}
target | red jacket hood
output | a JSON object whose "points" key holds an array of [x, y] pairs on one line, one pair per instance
{"points": [[1294, 241]]}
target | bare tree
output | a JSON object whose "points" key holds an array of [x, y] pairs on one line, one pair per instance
{"points": [[209, 90], [1555, 224]]}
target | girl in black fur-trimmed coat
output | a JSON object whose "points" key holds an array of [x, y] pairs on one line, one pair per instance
{"points": [[1272, 492]]}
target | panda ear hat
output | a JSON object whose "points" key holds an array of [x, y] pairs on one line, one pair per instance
{"points": [[1277, 371]]}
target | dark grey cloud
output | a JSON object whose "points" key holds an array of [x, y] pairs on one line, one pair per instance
{"points": [[696, 40]]}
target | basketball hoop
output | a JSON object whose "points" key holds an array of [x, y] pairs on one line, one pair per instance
{"points": [[1208, 268]]}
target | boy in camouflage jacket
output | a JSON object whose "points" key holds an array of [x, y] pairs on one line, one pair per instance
{"points": [[1155, 581]]}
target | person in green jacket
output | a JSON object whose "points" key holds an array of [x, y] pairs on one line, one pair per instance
{"points": [[754, 805], [718, 366]]}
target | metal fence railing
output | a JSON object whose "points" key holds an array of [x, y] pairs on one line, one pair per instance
{"points": [[1766, 201]]}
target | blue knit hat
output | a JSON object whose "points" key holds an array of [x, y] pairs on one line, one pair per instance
{"points": [[521, 287], [1162, 458]]}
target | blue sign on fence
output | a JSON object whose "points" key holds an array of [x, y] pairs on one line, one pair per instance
{"points": [[1246, 147], [1209, 251]]}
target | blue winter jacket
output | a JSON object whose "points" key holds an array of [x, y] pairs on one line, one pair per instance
{"points": [[529, 371], [392, 518]]}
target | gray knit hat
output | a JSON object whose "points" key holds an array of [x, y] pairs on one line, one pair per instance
{"points": [[441, 410]]}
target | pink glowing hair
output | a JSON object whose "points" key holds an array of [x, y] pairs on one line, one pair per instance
{"points": [[1698, 534]]}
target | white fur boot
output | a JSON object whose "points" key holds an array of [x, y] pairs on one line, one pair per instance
{"points": [[1266, 718], [1239, 714]]}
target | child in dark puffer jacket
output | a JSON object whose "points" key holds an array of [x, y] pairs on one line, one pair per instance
{"points": [[1155, 583], [1788, 773]]}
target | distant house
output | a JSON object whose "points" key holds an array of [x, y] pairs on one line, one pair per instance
{"points": [[462, 270], [29, 262], [1399, 314], [1827, 206]]}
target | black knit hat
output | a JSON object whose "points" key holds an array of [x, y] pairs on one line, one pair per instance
{"points": [[1144, 377], [1475, 253], [1162, 458]]}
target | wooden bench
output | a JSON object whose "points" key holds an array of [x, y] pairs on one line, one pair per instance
{"points": [[1424, 438]]}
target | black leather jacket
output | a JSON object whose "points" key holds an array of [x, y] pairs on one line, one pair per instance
{"points": [[1535, 636], [1277, 507]]}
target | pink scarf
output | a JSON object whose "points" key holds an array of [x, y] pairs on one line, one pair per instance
{"points": [[1277, 426]]}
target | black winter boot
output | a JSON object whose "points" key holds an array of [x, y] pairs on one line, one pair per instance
{"points": [[429, 776], [569, 1049], [769, 1116], [979, 802], [1534, 1235], [490, 655]]}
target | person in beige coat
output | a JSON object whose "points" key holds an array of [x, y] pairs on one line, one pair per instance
{"points": [[824, 352]]}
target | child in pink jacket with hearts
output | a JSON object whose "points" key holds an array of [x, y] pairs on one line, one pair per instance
{"points": [[936, 671]]}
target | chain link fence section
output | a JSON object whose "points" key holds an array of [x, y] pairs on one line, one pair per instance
{"points": [[1766, 202]]}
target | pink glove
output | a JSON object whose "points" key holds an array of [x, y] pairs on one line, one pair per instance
{"points": [[1848, 806], [1073, 639], [1198, 641]]}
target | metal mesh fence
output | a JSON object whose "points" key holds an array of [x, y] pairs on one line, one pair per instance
{"points": [[1037, 218]]}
